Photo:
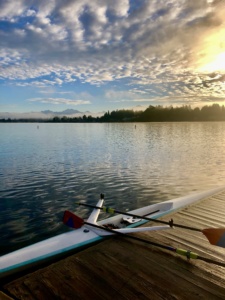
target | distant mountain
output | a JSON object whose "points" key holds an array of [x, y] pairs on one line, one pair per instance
{"points": [[60, 113], [48, 114]]}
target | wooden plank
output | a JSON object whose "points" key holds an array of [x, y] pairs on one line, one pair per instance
{"points": [[131, 275], [3, 296], [126, 269]]}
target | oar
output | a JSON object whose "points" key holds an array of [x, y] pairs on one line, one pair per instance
{"points": [[73, 221], [216, 236]]}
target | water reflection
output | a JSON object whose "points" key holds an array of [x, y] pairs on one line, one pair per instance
{"points": [[43, 172]]}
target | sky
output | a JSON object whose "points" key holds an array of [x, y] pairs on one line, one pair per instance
{"points": [[104, 55]]}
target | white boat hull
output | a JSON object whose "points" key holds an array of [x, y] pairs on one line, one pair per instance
{"points": [[63, 243]]}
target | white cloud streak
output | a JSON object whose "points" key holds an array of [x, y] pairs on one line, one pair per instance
{"points": [[59, 101]]}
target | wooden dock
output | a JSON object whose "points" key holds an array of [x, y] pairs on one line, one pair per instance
{"points": [[120, 268]]}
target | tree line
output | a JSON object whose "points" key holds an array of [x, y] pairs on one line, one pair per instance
{"points": [[158, 113]]}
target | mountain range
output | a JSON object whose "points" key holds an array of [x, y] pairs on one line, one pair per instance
{"points": [[48, 114]]}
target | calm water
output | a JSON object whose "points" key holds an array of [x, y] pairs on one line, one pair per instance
{"points": [[45, 170]]}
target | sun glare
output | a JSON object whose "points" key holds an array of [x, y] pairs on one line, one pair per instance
{"points": [[211, 52], [217, 64]]}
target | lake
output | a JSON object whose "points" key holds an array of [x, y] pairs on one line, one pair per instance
{"points": [[46, 168]]}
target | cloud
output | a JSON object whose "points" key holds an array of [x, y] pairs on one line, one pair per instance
{"points": [[59, 101], [159, 47], [10, 10]]}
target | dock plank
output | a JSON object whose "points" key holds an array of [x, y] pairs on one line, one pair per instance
{"points": [[121, 268], [3, 296]]}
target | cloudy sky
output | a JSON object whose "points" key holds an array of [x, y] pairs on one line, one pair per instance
{"points": [[102, 55]]}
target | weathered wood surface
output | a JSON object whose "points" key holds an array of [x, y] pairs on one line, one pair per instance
{"points": [[125, 269], [4, 296]]}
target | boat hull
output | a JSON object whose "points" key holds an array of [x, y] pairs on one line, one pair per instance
{"points": [[64, 243]]}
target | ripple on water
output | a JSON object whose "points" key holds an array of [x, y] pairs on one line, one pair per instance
{"points": [[44, 172]]}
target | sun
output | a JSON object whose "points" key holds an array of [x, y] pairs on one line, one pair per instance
{"points": [[210, 52], [216, 64]]}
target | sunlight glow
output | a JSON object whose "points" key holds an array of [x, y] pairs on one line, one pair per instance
{"points": [[210, 51], [217, 64]]}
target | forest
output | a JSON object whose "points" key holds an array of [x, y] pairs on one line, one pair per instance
{"points": [[158, 113]]}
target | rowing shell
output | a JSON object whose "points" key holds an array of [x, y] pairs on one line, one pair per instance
{"points": [[64, 243]]}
